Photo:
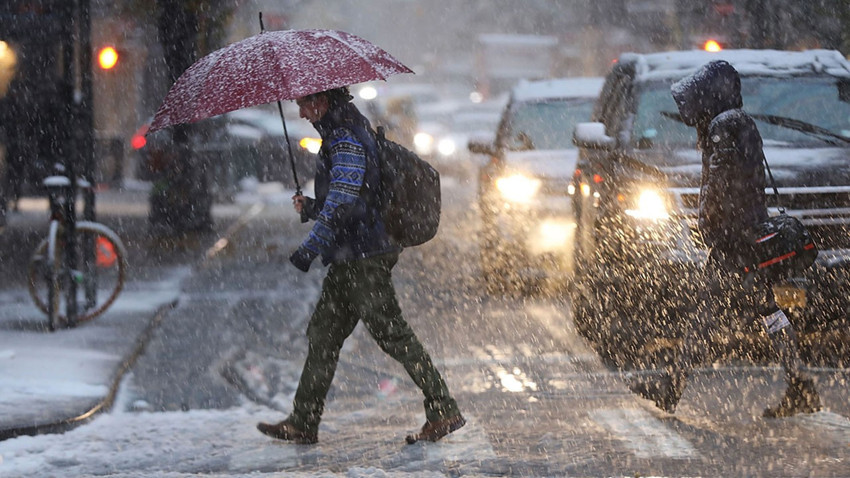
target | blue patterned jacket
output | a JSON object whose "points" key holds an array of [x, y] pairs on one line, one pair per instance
{"points": [[348, 225]]}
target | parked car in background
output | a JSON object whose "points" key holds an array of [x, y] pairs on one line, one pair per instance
{"points": [[523, 198], [242, 143], [272, 151], [639, 252], [396, 106], [443, 131]]}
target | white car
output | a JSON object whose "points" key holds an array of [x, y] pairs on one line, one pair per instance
{"points": [[524, 189]]}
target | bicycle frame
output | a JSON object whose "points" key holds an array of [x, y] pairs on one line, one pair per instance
{"points": [[75, 252], [62, 196]]}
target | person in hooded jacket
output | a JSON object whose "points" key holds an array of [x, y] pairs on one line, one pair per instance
{"points": [[731, 203], [350, 236]]}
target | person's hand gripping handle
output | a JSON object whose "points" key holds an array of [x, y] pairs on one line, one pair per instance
{"points": [[298, 202]]}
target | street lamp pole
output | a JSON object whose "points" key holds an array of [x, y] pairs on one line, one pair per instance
{"points": [[85, 152], [85, 108]]}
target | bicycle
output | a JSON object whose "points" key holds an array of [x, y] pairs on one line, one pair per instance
{"points": [[75, 285]]}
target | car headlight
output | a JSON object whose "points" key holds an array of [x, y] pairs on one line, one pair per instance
{"points": [[518, 188], [368, 93], [312, 145], [650, 204], [423, 142], [446, 147]]}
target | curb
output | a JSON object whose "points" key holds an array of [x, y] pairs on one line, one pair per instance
{"points": [[104, 404]]}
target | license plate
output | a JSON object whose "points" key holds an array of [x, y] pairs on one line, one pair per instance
{"points": [[789, 297]]}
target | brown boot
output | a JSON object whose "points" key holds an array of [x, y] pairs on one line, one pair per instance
{"points": [[433, 431], [287, 431], [800, 397]]}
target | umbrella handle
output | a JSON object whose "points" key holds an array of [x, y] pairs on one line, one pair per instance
{"points": [[289, 148], [304, 217]]}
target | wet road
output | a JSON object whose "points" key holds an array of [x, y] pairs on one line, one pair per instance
{"points": [[538, 400]]}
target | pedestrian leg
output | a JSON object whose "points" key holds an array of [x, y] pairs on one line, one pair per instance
{"points": [[382, 317], [800, 393], [331, 323], [699, 343]]}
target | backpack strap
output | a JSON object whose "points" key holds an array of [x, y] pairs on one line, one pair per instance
{"points": [[773, 185]]}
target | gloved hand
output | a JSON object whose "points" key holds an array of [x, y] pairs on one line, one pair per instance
{"points": [[301, 259]]}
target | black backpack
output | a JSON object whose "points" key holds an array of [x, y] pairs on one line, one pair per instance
{"points": [[409, 195]]}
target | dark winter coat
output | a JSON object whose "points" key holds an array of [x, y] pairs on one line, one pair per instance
{"points": [[732, 197], [348, 224]]}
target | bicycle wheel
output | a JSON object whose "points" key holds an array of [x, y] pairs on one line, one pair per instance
{"points": [[44, 272], [97, 287]]}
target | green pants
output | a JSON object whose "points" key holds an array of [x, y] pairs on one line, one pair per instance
{"points": [[353, 291]]}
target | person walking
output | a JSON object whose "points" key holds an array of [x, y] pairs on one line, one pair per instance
{"points": [[732, 202], [350, 236]]}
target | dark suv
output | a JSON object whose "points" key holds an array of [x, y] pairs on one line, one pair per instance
{"points": [[638, 188]]}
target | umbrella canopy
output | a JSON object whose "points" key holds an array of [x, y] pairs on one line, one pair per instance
{"points": [[272, 66]]}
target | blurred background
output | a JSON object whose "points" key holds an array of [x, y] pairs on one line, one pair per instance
{"points": [[462, 52]]}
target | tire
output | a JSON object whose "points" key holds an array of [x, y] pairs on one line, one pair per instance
{"points": [[493, 267], [494, 263], [98, 288]]}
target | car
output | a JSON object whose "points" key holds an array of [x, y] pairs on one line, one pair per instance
{"points": [[396, 107], [443, 140], [638, 251], [523, 189], [272, 150], [238, 144]]}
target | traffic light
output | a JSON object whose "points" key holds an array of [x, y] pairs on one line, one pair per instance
{"points": [[712, 45], [107, 58]]}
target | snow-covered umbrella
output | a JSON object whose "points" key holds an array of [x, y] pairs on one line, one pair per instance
{"points": [[273, 66]]}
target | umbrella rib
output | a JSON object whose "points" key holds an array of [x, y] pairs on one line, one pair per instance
{"points": [[204, 91], [285, 82]]}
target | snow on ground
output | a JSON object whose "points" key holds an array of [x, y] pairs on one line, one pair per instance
{"points": [[41, 368], [216, 443], [182, 444], [173, 444]]}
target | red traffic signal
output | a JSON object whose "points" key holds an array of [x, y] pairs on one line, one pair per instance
{"points": [[107, 58], [712, 46]]}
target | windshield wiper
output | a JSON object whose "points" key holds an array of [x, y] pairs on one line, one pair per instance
{"points": [[801, 126], [672, 116], [789, 123]]}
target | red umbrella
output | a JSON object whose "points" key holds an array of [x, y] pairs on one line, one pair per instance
{"points": [[272, 66]]}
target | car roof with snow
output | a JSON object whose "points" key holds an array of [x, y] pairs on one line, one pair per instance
{"points": [[678, 64], [535, 90]]}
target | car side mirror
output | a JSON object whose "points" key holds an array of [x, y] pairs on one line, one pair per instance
{"points": [[592, 136], [481, 147]]}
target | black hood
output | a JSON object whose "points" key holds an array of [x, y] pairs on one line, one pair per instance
{"points": [[711, 90]]}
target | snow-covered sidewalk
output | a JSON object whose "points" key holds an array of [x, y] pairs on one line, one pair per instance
{"points": [[49, 381]]}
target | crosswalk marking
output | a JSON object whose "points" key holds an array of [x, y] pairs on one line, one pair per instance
{"points": [[643, 434]]}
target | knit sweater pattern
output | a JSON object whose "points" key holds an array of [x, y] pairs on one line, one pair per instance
{"points": [[348, 168]]}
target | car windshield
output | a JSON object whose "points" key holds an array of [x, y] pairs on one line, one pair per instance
{"points": [[790, 111], [545, 124]]}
